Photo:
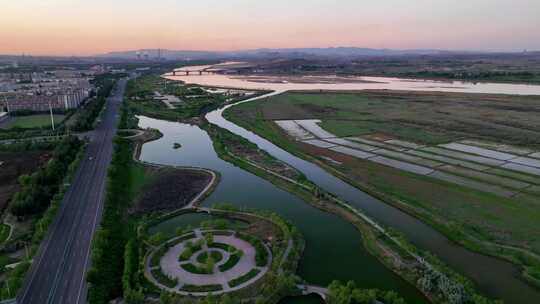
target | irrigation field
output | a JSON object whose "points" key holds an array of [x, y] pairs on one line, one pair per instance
{"points": [[499, 169]]}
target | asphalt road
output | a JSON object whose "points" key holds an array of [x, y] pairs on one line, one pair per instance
{"points": [[58, 274]]}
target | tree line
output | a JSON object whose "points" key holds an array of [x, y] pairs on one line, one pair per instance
{"points": [[38, 189], [108, 274], [90, 111], [349, 293]]}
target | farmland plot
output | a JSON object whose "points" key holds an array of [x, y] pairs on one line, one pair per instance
{"points": [[350, 144], [352, 152], [449, 160], [376, 143], [293, 129], [464, 156], [498, 147], [312, 125], [531, 162], [454, 179], [319, 143], [402, 165], [522, 168], [493, 179], [478, 151]]}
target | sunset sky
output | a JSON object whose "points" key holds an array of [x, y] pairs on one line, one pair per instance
{"points": [[86, 27]]}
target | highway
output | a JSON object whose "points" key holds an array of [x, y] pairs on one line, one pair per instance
{"points": [[58, 273]]}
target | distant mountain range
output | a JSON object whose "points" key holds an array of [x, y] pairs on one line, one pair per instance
{"points": [[349, 52]]}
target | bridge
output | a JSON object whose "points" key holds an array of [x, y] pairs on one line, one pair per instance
{"points": [[312, 289], [192, 72]]}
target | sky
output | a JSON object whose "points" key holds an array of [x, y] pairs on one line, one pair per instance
{"points": [[88, 27]]}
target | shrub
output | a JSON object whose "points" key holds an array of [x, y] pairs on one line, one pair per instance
{"points": [[232, 261], [201, 288], [163, 279], [186, 254], [195, 269], [244, 278], [261, 255]]}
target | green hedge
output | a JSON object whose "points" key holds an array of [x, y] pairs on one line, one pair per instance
{"points": [[201, 288], [195, 269], [163, 279], [244, 278], [231, 262], [261, 254]]}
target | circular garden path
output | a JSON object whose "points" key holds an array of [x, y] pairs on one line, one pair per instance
{"points": [[225, 272]]}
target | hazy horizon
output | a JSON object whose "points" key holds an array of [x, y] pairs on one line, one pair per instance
{"points": [[76, 27]]}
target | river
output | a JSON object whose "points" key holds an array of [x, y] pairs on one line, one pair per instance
{"points": [[333, 246], [329, 239]]}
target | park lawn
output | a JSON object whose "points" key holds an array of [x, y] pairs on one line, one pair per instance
{"points": [[35, 121]]}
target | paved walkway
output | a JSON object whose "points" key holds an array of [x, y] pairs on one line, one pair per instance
{"points": [[171, 266], [136, 131]]}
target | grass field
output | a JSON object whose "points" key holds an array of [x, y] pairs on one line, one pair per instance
{"points": [[475, 218], [34, 121], [424, 117]]}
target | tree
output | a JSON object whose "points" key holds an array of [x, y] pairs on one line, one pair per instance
{"points": [[350, 294], [157, 238], [165, 298], [134, 297]]}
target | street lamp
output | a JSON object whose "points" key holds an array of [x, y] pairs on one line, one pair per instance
{"points": [[52, 117]]}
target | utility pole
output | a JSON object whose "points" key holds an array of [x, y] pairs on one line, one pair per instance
{"points": [[52, 117], [7, 103]]}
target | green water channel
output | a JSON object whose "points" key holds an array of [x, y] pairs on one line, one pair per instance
{"points": [[334, 249]]}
